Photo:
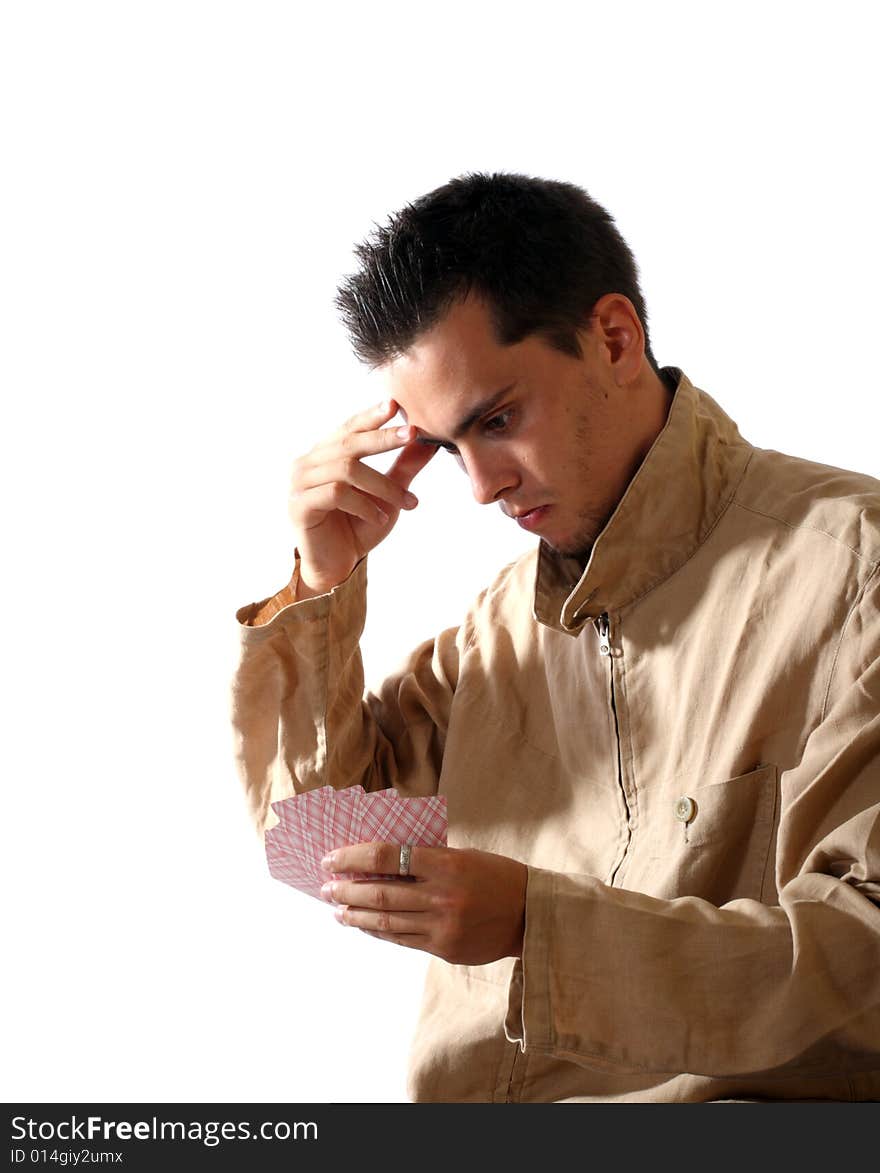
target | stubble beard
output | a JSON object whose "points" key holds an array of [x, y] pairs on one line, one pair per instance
{"points": [[580, 545], [588, 525], [580, 550]]}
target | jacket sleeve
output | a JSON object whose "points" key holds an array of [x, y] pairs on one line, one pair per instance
{"points": [[616, 979], [300, 716]]}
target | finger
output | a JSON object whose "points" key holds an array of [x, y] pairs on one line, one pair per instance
{"points": [[382, 858], [370, 417], [361, 444], [390, 896], [404, 924], [410, 462], [408, 940], [310, 508], [350, 471], [353, 446]]}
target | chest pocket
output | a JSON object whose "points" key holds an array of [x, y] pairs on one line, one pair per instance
{"points": [[710, 840]]}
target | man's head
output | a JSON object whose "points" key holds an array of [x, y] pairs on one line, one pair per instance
{"points": [[507, 316], [539, 252]]}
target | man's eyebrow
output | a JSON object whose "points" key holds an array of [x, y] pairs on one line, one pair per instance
{"points": [[464, 425]]}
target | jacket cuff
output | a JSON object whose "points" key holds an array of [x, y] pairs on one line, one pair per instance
{"points": [[258, 620], [529, 1019]]}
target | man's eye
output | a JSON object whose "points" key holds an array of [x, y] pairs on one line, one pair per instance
{"points": [[498, 423]]}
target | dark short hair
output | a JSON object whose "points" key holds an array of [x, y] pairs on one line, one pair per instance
{"points": [[539, 251]]}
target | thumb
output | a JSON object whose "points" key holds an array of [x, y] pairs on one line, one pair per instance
{"points": [[410, 461]]}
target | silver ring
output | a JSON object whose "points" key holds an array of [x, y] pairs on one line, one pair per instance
{"points": [[405, 853]]}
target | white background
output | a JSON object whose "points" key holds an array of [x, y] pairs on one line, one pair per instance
{"points": [[183, 184]]}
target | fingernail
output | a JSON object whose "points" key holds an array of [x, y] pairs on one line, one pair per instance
{"points": [[404, 432], [338, 913], [328, 861], [385, 406], [327, 891], [411, 499]]}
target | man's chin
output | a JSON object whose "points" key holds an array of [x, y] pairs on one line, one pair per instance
{"points": [[578, 549]]}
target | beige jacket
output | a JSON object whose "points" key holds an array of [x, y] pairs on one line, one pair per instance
{"points": [[683, 745]]}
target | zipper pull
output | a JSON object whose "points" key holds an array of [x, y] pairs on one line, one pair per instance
{"points": [[603, 628]]}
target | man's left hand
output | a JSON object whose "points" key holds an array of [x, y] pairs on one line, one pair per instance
{"points": [[466, 907]]}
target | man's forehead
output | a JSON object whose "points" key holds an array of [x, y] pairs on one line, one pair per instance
{"points": [[444, 402], [433, 395], [459, 425], [458, 355], [436, 397]]}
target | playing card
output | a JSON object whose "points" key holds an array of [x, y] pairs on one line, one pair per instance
{"points": [[410, 820], [317, 821]]}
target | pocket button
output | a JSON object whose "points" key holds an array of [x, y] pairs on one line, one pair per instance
{"points": [[685, 809]]}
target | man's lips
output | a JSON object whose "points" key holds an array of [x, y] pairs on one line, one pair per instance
{"points": [[529, 518]]}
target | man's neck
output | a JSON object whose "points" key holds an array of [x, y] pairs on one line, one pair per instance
{"points": [[656, 395]]}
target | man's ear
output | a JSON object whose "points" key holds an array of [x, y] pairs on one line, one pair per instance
{"points": [[619, 335]]}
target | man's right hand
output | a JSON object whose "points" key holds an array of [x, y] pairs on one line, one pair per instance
{"points": [[341, 508]]}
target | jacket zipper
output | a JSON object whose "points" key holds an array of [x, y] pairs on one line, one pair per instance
{"points": [[603, 627]]}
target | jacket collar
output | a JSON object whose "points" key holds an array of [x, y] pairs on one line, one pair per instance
{"points": [[680, 490]]}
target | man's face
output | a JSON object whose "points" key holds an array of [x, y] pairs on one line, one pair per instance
{"points": [[544, 435]]}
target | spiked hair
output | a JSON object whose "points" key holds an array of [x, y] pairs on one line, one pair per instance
{"points": [[539, 251]]}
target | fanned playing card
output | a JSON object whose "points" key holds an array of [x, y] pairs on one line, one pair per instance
{"points": [[317, 821]]}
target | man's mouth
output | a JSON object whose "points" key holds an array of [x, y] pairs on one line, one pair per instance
{"points": [[529, 518]]}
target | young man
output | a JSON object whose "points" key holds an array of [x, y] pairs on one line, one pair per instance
{"points": [[658, 733]]}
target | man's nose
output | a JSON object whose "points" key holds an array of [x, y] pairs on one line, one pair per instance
{"points": [[490, 476]]}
